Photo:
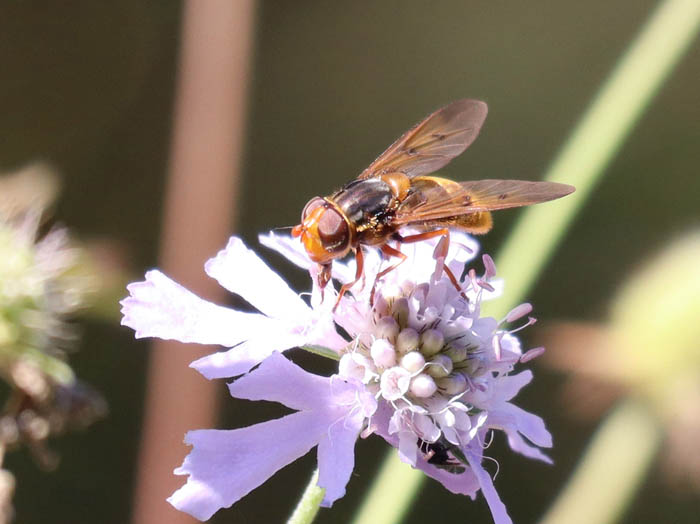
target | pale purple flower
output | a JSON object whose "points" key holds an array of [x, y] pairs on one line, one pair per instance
{"points": [[225, 465], [422, 368], [160, 307]]}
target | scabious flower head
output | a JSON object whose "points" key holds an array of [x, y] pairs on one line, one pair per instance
{"points": [[440, 371], [418, 365]]}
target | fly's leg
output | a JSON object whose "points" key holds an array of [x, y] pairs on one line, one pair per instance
{"points": [[443, 246], [359, 273], [389, 252], [324, 276]]}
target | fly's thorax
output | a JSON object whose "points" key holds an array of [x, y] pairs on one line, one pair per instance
{"points": [[368, 205], [363, 199], [399, 183]]}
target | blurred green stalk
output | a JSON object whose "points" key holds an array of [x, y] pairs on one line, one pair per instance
{"points": [[601, 132], [308, 506], [392, 492], [594, 141], [611, 470]]}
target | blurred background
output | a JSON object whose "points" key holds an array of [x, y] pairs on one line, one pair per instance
{"points": [[89, 88]]}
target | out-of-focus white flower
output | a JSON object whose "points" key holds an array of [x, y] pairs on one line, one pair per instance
{"points": [[41, 286]]}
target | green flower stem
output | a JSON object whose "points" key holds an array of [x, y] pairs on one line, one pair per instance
{"points": [[612, 469], [594, 141], [322, 351], [309, 504]]}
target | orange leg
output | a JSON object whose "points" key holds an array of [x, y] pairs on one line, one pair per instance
{"points": [[360, 262], [390, 252], [443, 232], [410, 239]]}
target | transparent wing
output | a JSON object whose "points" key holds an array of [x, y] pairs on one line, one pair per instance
{"points": [[432, 143], [434, 198]]}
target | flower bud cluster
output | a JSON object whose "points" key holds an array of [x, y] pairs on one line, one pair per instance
{"points": [[429, 355], [409, 360], [423, 354]]}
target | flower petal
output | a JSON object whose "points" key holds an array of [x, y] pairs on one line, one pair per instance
{"points": [[518, 443], [242, 272], [531, 426], [462, 484], [511, 385], [279, 380], [293, 250], [321, 330], [160, 307], [225, 465], [336, 457], [408, 447], [500, 391], [290, 248], [498, 509], [242, 358], [426, 428]]}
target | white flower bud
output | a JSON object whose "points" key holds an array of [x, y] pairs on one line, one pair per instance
{"points": [[439, 366], [387, 327], [394, 383], [423, 386], [347, 367], [432, 341], [413, 361], [407, 340], [453, 384], [383, 353]]}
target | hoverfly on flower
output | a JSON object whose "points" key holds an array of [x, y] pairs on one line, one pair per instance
{"points": [[396, 191]]}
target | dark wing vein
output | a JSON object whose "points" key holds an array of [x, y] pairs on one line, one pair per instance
{"points": [[433, 142]]}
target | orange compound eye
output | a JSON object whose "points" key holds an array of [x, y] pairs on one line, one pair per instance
{"points": [[312, 204], [333, 230], [325, 234]]}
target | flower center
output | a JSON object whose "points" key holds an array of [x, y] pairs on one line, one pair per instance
{"points": [[415, 358]]}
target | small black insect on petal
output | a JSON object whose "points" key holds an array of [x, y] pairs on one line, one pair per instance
{"points": [[438, 454]]}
